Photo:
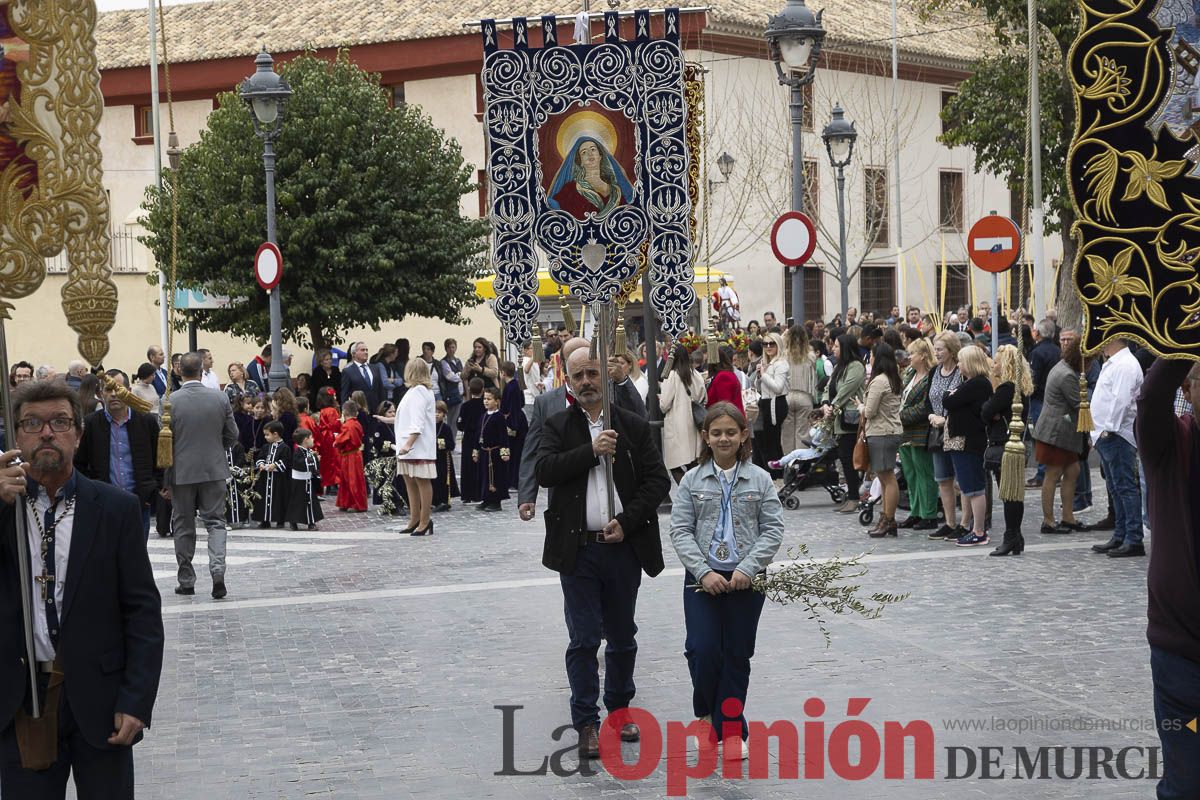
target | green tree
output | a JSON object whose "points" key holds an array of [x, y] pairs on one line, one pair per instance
{"points": [[369, 221], [990, 111]]}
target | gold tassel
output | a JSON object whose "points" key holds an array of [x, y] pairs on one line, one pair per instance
{"points": [[568, 317], [124, 395], [1012, 463], [1086, 424], [713, 345], [535, 344], [166, 439]]}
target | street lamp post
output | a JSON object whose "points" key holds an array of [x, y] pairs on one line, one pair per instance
{"points": [[839, 136], [794, 39], [266, 94]]}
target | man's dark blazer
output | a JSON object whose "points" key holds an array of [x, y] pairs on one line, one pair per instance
{"points": [[547, 405], [353, 381], [564, 461], [111, 639], [91, 458]]}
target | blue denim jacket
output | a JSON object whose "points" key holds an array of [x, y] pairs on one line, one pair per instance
{"points": [[757, 518]]}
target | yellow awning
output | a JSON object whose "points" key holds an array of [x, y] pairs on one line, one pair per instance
{"points": [[706, 281]]}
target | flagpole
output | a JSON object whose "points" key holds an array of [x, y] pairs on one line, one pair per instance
{"points": [[24, 586], [902, 280], [164, 318], [1035, 149]]}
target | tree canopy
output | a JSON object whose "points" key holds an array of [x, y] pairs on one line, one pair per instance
{"points": [[990, 111], [368, 211]]}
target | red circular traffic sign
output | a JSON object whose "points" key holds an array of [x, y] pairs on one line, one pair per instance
{"points": [[268, 266], [994, 243], [793, 238]]}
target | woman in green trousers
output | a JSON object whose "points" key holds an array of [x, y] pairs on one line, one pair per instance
{"points": [[915, 460]]}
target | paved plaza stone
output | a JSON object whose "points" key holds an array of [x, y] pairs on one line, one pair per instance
{"points": [[359, 663]]}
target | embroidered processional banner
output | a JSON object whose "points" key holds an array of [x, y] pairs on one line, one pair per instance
{"points": [[587, 148], [1133, 166], [52, 195]]}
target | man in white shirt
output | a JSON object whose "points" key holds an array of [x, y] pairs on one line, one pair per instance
{"points": [[1114, 409], [208, 378]]}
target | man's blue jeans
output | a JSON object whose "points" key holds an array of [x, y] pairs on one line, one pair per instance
{"points": [[1035, 411], [1121, 477], [1176, 703]]}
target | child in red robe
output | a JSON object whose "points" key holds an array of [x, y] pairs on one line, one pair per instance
{"points": [[329, 425], [352, 488]]}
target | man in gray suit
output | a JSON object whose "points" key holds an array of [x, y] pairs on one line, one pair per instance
{"points": [[203, 428], [545, 406]]}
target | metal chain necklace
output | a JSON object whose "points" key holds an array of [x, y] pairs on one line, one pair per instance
{"points": [[37, 519]]}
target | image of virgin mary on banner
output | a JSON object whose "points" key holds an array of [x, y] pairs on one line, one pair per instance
{"points": [[587, 153], [1133, 167]]}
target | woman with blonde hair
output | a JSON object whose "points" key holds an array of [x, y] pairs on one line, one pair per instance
{"points": [[915, 460], [239, 384], [802, 389], [1010, 374], [416, 446], [945, 378], [771, 381], [966, 439]]}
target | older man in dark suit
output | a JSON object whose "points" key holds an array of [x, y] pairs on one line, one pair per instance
{"points": [[97, 616], [203, 428], [600, 556], [359, 376]]}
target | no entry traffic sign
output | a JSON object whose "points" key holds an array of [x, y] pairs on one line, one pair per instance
{"points": [[793, 238], [994, 243], [268, 266]]}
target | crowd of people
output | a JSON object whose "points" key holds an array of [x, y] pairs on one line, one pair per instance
{"points": [[911, 402]]}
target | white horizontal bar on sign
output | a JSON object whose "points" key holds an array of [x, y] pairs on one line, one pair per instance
{"points": [[992, 244], [276, 547], [474, 23]]}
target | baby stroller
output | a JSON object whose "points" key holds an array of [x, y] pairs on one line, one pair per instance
{"points": [[866, 508], [816, 466]]}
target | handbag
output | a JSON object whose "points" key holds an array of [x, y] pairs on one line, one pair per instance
{"points": [[850, 417], [699, 412], [954, 444], [993, 455], [862, 453], [936, 438]]}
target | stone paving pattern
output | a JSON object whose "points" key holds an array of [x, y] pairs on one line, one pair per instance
{"points": [[393, 696]]}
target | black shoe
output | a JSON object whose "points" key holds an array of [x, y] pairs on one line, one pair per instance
{"points": [[944, 532], [1127, 551], [1111, 544], [482, 507], [185, 590], [926, 525], [264, 526], [493, 507], [428, 530], [409, 529], [912, 522], [1013, 545], [958, 533], [218, 591], [1106, 524], [1058, 528], [293, 526], [1078, 527], [442, 507]]}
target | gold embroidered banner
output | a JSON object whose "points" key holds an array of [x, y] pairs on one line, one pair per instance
{"points": [[51, 194]]}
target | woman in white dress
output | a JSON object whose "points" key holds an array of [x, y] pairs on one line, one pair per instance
{"points": [[416, 446]]}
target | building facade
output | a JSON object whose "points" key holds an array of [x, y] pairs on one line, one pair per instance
{"points": [[426, 58]]}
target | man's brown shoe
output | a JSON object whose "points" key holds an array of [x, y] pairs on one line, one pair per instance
{"points": [[589, 742], [630, 732]]}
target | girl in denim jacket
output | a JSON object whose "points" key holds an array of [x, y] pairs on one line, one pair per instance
{"points": [[726, 526]]}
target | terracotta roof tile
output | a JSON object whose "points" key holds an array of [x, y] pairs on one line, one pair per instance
{"points": [[234, 28]]}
